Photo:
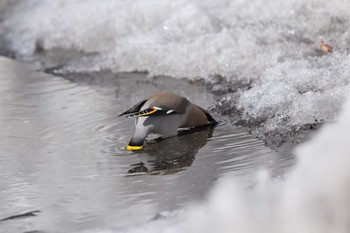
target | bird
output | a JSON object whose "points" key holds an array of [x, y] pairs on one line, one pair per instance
{"points": [[164, 114]]}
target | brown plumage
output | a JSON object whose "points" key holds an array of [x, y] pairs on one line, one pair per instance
{"points": [[164, 113]]}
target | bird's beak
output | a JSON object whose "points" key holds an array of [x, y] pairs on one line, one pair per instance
{"points": [[133, 147]]}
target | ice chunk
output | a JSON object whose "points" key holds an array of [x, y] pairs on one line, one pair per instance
{"points": [[298, 92]]}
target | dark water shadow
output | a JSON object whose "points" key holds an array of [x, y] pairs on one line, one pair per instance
{"points": [[169, 156], [23, 215]]}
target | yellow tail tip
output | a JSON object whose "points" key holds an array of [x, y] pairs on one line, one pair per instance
{"points": [[133, 147]]}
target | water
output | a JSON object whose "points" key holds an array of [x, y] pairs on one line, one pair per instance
{"points": [[62, 153]]}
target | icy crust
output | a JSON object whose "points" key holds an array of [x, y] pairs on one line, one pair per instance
{"points": [[266, 52], [293, 95], [313, 197], [302, 90]]}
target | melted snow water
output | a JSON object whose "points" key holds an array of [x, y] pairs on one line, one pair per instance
{"points": [[62, 154]]}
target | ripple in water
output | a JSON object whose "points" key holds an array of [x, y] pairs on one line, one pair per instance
{"points": [[64, 156]]}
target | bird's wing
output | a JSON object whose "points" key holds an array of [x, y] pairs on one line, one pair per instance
{"points": [[161, 104], [154, 111], [134, 109]]}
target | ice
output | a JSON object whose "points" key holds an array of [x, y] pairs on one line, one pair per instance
{"points": [[272, 46], [294, 93]]}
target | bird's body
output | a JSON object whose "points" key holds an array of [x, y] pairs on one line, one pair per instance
{"points": [[164, 113]]}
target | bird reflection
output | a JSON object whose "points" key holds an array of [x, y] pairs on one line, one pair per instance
{"points": [[169, 156]]}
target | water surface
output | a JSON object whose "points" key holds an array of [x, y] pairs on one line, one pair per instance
{"points": [[62, 153]]}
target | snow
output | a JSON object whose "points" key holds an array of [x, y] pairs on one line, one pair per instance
{"points": [[272, 46]]}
